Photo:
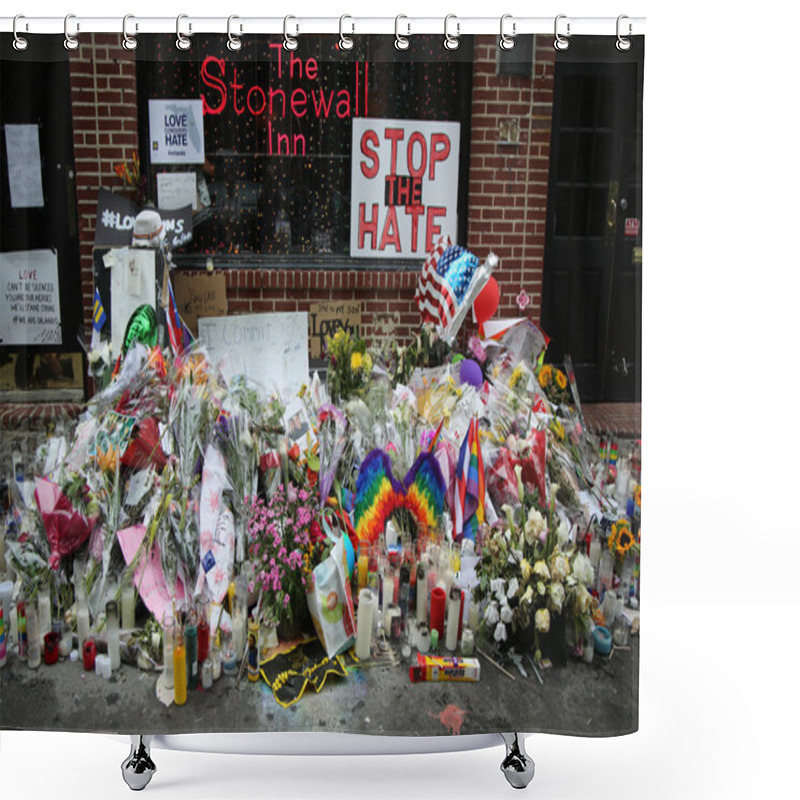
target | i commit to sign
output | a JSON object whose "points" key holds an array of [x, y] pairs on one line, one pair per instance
{"points": [[404, 193]]}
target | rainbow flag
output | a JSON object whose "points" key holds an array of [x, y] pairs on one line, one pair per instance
{"points": [[470, 486]]}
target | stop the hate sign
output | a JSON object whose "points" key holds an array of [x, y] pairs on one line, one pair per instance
{"points": [[404, 193]]}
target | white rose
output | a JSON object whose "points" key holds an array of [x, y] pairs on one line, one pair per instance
{"points": [[542, 620]]}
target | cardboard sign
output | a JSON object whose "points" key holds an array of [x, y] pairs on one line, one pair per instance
{"points": [[270, 349], [199, 296], [29, 300], [404, 193], [324, 319], [176, 132]]}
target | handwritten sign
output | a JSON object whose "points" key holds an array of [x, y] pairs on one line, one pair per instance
{"points": [[404, 193], [199, 296], [133, 283], [270, 349], [24, 166], [324, 319], [176, 189], [29, 299], [176, 132]]}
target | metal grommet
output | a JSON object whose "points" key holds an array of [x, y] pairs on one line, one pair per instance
{"points": [[623, 43], [70, 41], [129, 42], [561, 42], [401, 42], [182, 42], [234, 42], [289, 42], [345, 42], [20, 42], [507, 42], [451, 42]]}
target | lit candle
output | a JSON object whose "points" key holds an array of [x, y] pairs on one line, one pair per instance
{"points": [[45, 612], [438, 601], [366, 610], [112, 631], [453, 614], [179, 668], [422, 593], [128, 604]]}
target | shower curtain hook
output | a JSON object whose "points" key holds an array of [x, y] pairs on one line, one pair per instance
{"points": [[129, 42], [182, 42], [20, 42], [70, 42], [623, 43], [234, 42], [451, 42], [561, 42], [507, 42], [346, 42], [401, 42], [289, 42]]}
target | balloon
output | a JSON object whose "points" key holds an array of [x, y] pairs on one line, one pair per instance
{"points": [[470, 372], [487, 301], [142, 327]]}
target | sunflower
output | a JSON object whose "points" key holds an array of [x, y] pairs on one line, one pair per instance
{"points": [[355, 361], [561, 380], [621, 539], [516, 376], [637, 495], [545, 376]]}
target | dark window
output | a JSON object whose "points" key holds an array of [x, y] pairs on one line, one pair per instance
{"points": [[278, 125]]}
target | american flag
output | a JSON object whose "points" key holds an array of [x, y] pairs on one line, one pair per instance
{"points": [[443, 282]]}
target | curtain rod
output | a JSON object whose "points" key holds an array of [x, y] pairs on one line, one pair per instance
{"points": [[403, 25]]}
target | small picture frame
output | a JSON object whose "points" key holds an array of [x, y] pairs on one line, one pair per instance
{"points": [[297, 424]]}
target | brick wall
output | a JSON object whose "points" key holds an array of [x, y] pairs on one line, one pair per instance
{"points": [[508, 183], [507, 190], [105, 126]]}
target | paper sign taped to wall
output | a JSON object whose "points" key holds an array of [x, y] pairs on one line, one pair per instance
{"points": [[199, 296], [270, 349], [29, 298], [24, 166], [133, 283], [324, 319], [176, 132], [176, 190]]}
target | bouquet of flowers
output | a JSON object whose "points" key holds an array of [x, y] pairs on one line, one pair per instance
{"points": [[555, 384], [349, 366]]}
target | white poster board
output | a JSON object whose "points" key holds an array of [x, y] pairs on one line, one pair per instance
{"points": [[176, 190], [29, 299], [404, 193], [176, 132], [270, 349], [133, 283], [24, 166]]}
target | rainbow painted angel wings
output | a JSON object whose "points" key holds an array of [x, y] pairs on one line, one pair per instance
{"points": [[379, 494]]}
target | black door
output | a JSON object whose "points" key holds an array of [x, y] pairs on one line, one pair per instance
{"points": [[592, 289], [35, 90]]}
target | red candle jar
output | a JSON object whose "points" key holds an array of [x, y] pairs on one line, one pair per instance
{"points": [[89, 655], [438, 602], [51, 641]]}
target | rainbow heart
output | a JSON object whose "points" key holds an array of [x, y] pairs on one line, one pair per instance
{"points": [[379, 494]]}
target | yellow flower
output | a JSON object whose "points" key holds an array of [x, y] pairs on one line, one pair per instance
{"points": [[367, 363], [355, 361], [545, 376], [525, 569], [558, 429], [621, 538], [516, 376], [637, 495], [107, 461], [561, 379]]}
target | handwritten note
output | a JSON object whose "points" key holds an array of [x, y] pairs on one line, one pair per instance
{"points": [[133, 283], [24, 166], [199, 296], [270, 349], [324, 319], [176, 190], [29, 299]]}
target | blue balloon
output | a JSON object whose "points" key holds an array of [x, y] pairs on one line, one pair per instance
{"points": [[470, 372]]}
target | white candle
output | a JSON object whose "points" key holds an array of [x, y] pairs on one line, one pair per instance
{"points": [[34, 641], [45, 615], [376, 615], [112, 631], [595, 549], [82, 620], [366, 609], [168, 640], [128, 605], [386, 597], [474, 614], [422, 593], [453, 612], [65, 645], [238, 630]]}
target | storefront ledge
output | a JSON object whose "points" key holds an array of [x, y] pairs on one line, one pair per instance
{"points": [[36, 415], [619, 419]]}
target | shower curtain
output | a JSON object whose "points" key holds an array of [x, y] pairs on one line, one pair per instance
{"points": [[320, 383]]}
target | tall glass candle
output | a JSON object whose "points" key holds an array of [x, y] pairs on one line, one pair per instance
{"points": [[179, 668], [239, 627], [190, 638], [387, 595], [453, 615], [405, 580], [128, 601], [44, 607], [65, 644], [363, 565], [169, 651], [22, 632], [34, 644], [203, 630], [606, 574], [82, 618], [364, 624], [438, 602], [423, 638], [422, 593], [112, 632], [467, 642]]}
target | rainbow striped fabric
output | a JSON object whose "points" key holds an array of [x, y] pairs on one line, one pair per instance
{"points": [[379, 494], [470, 485]]}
